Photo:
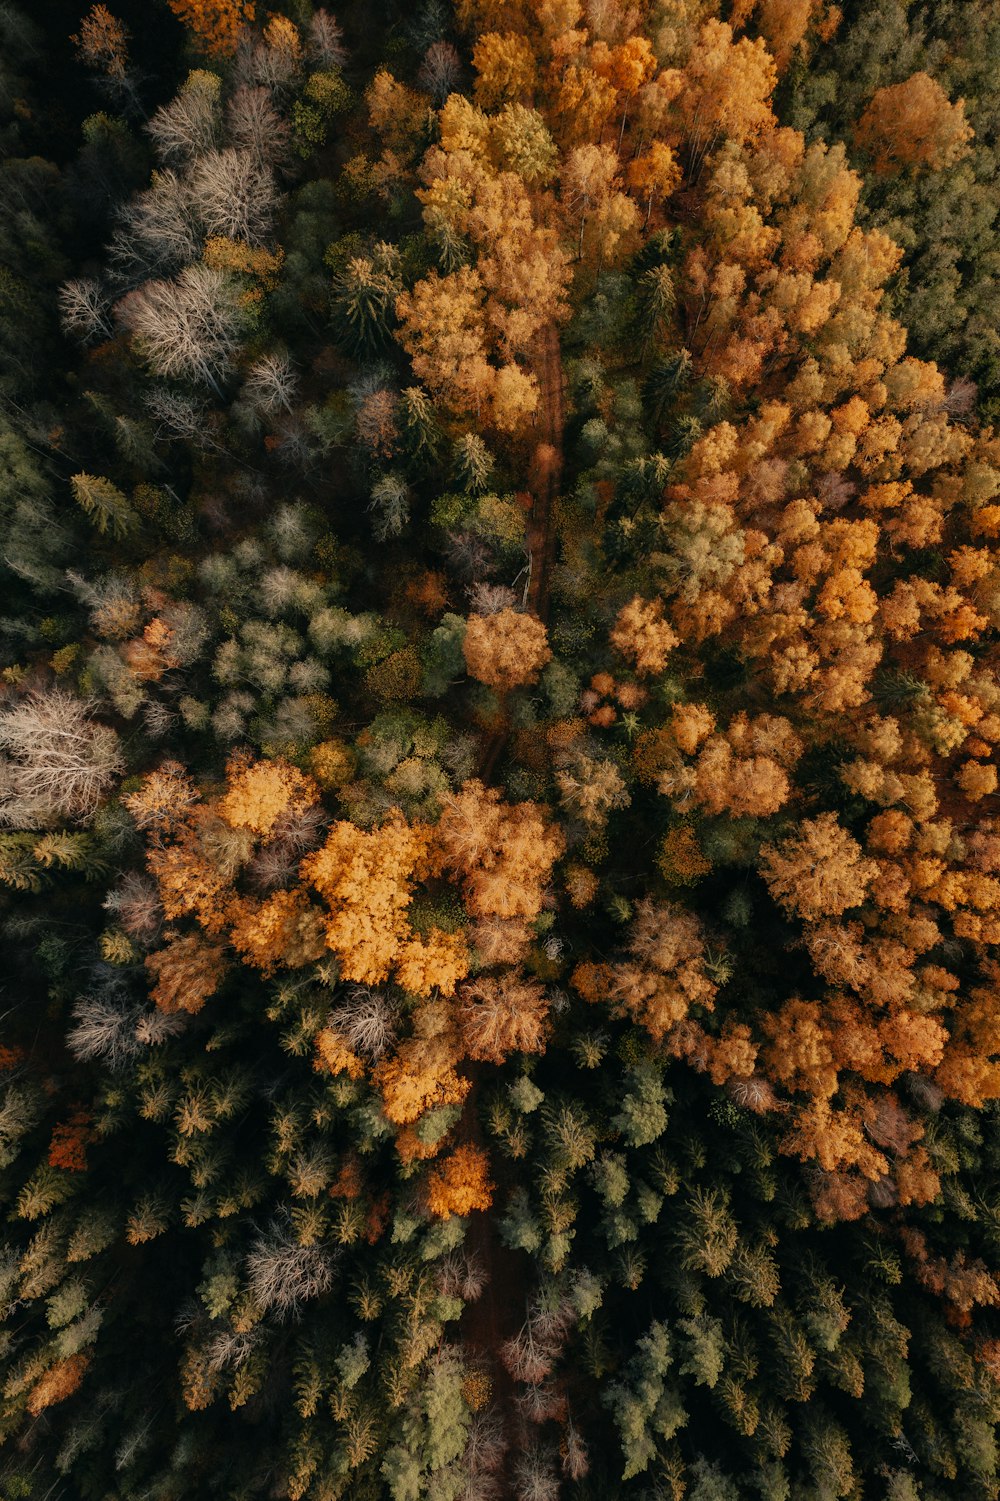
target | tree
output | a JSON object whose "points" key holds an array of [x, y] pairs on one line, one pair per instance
{"points": [[505, 650], [326, 40], [256, 127], [818, 872], [503, 852], [644, 1407], [158, 228], [367, 881], [103, 42], [83, 309], [591, 191], [505, 69], [642, 635], [460, 1183], [283, 1273], [187, 971], [364, 295], [233, 194], [188, 126], [444, 331], [259, 795], [188, 327], [368, 1019], [726, 88], [912, 124], [102, 45], [654, 174], [217, 24], [104, 503], [59, 761], [500, 1015], [440, 71], [60, 1381], [785, 25], [522, 142]]}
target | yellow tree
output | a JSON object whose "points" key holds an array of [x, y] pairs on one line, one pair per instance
{"points": [[913, 124]]}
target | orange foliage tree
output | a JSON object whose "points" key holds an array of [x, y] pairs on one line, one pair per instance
{"points": [[102, 42], [352, 900], [913, 124], [460, 1183], [59, 1382], [505, 650], [216, 24]]}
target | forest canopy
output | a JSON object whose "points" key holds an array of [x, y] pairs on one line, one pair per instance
{"points": [[499, 719]]}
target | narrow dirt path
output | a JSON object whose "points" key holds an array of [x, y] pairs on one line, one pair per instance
{"points": [[499, 1312]]}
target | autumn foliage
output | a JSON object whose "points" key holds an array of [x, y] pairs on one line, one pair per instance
{"points": [[353, 901], [506, 649], [782, 514], [913, 125], [460, 1183], [500, 717], [217, 24], [60, 1381]]}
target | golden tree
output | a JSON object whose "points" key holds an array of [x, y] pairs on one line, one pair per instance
{"points": [[505, 650], [913, 124]]}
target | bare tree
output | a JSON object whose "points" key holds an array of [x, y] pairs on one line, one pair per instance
{"points": [[190, 326], [135, 1442], [157, 230], [182, 416], [274, 64], [470, 554], [271, 383], [294, 833], [104, 1027], [487, 1444], [368, 1020], [83, 309], [233, 194], [536, 1404], [440, 71], [535, 1478], [158, 718], [490, 599], [255, 126], [961, 398], [229, 1348], [575, 1457], [136, 904], [326, 41], [59, 762], [157, 1026], [528, 1356], [189, 125], [462, 1274], [284, 1274]]}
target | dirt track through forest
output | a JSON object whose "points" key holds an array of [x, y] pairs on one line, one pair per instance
{"points": [[499, 1311]]}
